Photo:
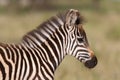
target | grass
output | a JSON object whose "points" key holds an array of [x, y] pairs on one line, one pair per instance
{"points": [[102, 30], [114, 34]]}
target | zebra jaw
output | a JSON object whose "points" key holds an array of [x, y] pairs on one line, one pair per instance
{"points": [[91, 63]]}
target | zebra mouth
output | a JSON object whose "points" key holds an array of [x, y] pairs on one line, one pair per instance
{"points": [[91, 63]]}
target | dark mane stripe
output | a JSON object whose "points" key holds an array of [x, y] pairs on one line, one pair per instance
{"points": [[52, 24], [60, 16]]}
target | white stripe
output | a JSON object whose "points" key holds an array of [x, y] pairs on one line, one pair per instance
{"points": [[45, 33], [35, 40], [9, 52], [48, 59], [48, 68], [14, 53], [33, 64], [32, 43], [28, 66], [49, 78], [40, 52], [18, 68], [23, 69], [5, 66], [59, 20], [48, 30], [78, 48], [19, 65], [11, 62], [24, 43], [56, 47], [50, 27], [54, 24], [40, 37], [63, 54], [44, 51], [46, 65], [51, 51]]}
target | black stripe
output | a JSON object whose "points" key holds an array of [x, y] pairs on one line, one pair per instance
{"points": [[73, 43], [53, 47], [30, 62], [8, 53], [41, 64], [36, 63], [3, 70], [55, 20], [58, 46], [25, 67], [51, 25], [13, 56], [47, 31], [35, 38], [80, 50], [42, 54], [33, 53], [61, 30], [60, 36], [45, 58], [65, 29], [21, 64], [49, 28], [39, 78], [25, 39], [16, 64], [8, 63], [41, 34], [43, 74], [21, 67], [51, 59], [50, 55], [39, 48]]}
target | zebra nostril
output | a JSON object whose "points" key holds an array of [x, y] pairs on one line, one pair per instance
{"points": [[91, 63]]}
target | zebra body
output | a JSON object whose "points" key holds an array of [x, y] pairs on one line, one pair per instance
{"points": [[42, 50]]}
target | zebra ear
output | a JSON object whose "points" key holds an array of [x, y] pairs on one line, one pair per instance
{"points": [[70, 22], [73, 18], [78, 24]]}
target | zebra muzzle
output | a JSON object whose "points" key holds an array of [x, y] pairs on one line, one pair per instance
{"points": [[91, 63]]}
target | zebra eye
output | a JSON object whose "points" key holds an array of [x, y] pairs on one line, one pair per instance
{"points": [[80, 40]]}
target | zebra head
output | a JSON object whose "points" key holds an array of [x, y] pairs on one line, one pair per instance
{"points": [[78, 45]]}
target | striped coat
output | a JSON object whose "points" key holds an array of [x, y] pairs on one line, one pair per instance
{"points": [[41, 50]]}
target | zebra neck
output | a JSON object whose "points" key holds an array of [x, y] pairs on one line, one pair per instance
{"points": [[50, 39], [44, 31]]}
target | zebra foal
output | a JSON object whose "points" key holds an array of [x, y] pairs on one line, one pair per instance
{"points": [[41, 50]]}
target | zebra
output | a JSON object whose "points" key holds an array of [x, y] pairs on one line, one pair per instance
{"points": [[42, 50]]}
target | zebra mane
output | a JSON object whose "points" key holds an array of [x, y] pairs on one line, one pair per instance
{"points": [[61, 16], [47, 28]]}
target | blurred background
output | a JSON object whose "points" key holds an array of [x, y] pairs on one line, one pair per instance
{"points": [[102, 26]]}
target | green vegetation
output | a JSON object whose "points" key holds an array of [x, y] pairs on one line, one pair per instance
{"points": [[102, 28]]}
